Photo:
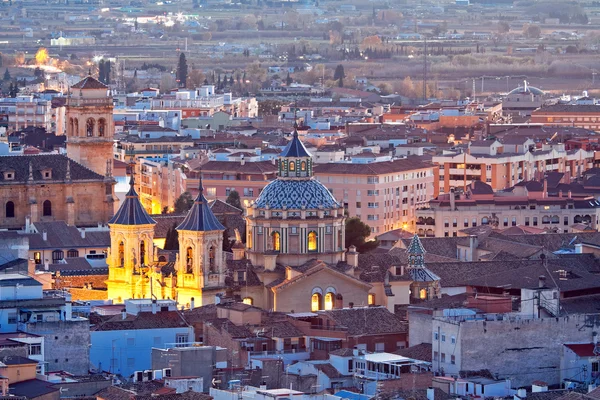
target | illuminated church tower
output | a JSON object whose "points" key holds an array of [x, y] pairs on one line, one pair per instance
{"points": [[201, 260], [131, 251], [90, 126]]}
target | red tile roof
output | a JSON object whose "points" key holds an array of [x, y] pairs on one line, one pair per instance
{"points": [[89, 83], [582, 350]]}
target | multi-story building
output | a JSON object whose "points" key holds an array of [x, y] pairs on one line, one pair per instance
{"points": [[525, 205], [384, 195], [575, 115], [487, 161], [247, 178], [27, 110], [164, 146]]}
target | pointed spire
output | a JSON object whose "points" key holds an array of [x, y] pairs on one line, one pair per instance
{"points": [[131, 211], [296, 118], [415, 246], [200, 186], [200, 218]]}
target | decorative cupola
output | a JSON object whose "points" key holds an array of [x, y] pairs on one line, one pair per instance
{"points": [[295, 161]]}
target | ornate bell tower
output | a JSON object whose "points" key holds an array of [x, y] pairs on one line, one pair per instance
{"points": [[131, 250], [426, 284], [201, 261], [90, 126]]}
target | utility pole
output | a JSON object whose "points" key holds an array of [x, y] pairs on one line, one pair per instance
{"points": [[425, 70]]}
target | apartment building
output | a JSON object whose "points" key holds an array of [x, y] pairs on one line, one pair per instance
{"points": [[575, 115], [164, 146], [24, 111], [220, 178], [160, 184], [384, 195], [525, 205], [487, 161]]}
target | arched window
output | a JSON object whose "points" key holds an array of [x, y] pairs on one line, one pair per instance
{"points": [[71, 126], [76, 127], [10, 209], [143, 253], [312, 241], [371, 299], [292, 166], [423, 294], [248, 300], [189, 260], [162, 259], [72, 253], [57, 255], [47, 208], [121, 258], [89, 127], [329, 301], [303, 166], [276, 241], [211, 259], [485, 221], [315, 302], [101, 127]]}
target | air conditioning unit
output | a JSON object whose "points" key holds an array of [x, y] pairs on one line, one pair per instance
{"points": [[166, 372], [147, 375], [138, 376]]}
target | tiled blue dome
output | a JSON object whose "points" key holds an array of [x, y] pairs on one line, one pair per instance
{"points": [[294, 194]]}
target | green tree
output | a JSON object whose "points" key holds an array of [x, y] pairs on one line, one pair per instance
{"points": [[182, 70], [357, 233], [234, 199], [7, 75], [339, 73], [226, 242], [288, 80], [184, 203], [172, 239]]}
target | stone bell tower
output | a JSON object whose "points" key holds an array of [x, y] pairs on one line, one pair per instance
{"points": [[90, 126]]}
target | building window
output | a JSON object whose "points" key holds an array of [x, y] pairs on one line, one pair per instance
{"points": [[379, 347], [47, 208], [12, 318], [315, 302], [329, 301], [211, 259], [101, 127], [189, 260], [143, 253], [371, 299], [181, 339], [452, 359], [35, 350], [72, 253], [292, 166], [535, 221], [453, 339], [89, 127], [303, 165], [37, 257], [435, 336], [443, 337], [423, 294], [443, 358], [57, 255], [248, 300], [276, 241], [312, 241], [121, 259], [10, 209]]}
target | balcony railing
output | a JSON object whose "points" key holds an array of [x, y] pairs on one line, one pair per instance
{"points": [[274, 352]]}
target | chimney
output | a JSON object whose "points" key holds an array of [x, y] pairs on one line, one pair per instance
{"points": [[560, 194], [82, 233], [569, 194], [452, 200], [522, 393], [352, 256], [28, 224], [430, 393], [473, 243], [123, 314], [44, 236], [192, 303], [542, 281], [154, 306]]}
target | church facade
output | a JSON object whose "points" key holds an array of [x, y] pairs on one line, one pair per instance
{"points": [[76, 188], [294, 259]]}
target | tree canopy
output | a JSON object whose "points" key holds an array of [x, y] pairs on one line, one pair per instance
{"points": [[357, 233], [234, 199], [184, 203]]}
